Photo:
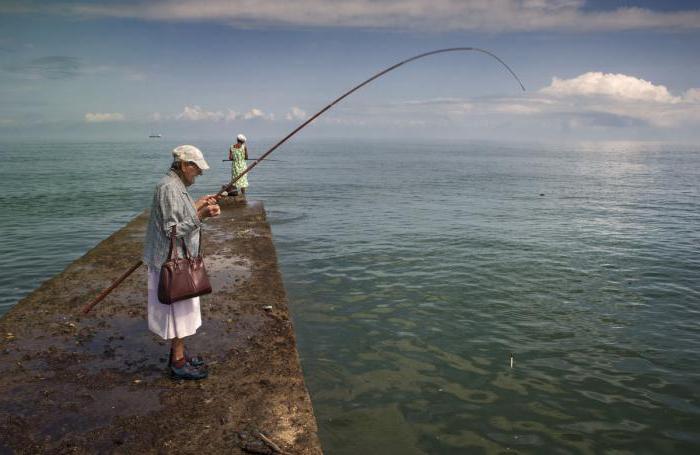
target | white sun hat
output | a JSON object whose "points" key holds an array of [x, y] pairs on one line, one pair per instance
{"points": [[241, 138], [190, 153]]}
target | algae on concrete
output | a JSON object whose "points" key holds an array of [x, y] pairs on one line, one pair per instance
{"points": [[98, 383]]}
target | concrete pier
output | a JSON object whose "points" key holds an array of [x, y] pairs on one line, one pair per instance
{"points": [[71, 383]]}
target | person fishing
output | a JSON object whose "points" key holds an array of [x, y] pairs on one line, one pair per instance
{"points": [[208, 204], [174, 207], [238, 154]]}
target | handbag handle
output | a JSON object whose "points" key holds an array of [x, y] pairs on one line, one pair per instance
{"points": [[200, 250], [173, 236]]}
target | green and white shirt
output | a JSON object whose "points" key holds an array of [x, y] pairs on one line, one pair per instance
{"points": [[172, 206]]}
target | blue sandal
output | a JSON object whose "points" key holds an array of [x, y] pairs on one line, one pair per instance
{"points": [[187, 371]]}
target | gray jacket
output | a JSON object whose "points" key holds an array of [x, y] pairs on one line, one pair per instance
{"points": [[172, 206]]}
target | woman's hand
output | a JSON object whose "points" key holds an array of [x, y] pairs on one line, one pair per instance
{"points": [[209, 211], [203, 201]]}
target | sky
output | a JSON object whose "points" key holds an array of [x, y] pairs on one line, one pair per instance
{"points": [[191, 69]]}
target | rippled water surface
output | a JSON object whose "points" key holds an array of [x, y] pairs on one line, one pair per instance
{"points": [[415, 272]]}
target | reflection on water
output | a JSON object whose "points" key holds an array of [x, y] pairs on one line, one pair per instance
{"points": [[415, 271], [411, 290]]}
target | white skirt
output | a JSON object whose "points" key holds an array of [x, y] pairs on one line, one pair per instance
{"points": [[179, 320]]}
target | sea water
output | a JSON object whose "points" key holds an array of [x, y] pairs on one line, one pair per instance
{"points": [[447, 297]]}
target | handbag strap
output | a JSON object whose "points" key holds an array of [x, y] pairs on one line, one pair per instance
{"points": [[173, 236], [200, 250]]}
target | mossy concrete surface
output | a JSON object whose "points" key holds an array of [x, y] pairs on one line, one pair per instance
{"points": [[98, 383]]}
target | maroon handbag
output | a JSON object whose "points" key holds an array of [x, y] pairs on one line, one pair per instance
{"points": [[182, 278]]}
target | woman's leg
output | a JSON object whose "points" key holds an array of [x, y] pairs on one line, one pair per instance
{"points": [[177, 350], [180, 368]]}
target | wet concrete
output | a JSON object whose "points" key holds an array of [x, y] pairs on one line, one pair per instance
{"points": [[71, 383]]}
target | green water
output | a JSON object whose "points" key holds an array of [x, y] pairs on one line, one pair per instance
{"points": [[415, 271]]}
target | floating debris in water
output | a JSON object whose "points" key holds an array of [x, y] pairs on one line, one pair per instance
{"points": [[511, 360]]}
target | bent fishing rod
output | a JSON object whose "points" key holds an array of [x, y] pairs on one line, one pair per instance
{"points": [[231, 186], [228, 187]]}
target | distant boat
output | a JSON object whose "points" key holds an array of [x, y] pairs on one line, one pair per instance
{"points": [[156, 135]]}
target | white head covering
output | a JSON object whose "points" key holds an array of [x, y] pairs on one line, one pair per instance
{"points": [[241, 138], [190, 153]]}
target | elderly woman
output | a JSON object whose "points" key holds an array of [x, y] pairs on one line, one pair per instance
{"points": [[173, 206], [238, 154]]}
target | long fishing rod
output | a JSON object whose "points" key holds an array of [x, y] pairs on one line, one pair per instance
{"points": [[230, 187]]}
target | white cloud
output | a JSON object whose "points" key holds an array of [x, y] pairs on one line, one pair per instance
{"points": [[490, 15], [256, 113], [98, 117], [155, 117], [590, 99], [196, 114], [516, 108], [692, 95], [619, 86], [296, 114], [616, 100]]}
